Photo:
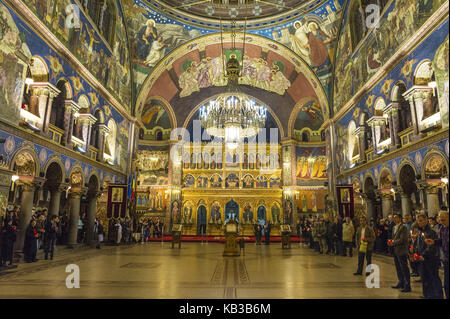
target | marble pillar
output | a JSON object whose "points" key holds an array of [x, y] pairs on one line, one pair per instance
{"points": [[406, 203], [26, 206], [369, 209], [75, 200], [91, 213], [386, 204], [432, 200]]}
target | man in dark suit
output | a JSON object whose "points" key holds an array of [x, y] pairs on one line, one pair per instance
{"points": [[399, 246]]}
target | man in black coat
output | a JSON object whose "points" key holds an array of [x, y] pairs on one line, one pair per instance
{"points": [[51, 232], [428, 257], [399, 244], [30, 244], [267, 228]]}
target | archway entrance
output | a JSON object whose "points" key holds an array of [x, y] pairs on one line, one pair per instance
{"points": [[409, 194], [231, 211], [201, 221]]}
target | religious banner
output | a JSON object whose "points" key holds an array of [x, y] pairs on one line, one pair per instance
{"points": [[117, 201], [345, 200]]}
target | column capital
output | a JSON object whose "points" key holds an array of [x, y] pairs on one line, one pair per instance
{"points": [[392, 108], [430, 185], [87, 118], [103, 128], [62, 187], [376, 120], [417, 92], [44, 89], [77, 192], [71, 106], [360, 130]]}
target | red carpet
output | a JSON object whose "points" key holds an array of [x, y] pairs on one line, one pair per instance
{"points": [[221, 239]]}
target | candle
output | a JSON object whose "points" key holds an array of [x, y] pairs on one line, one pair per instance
{"points": [[390, 241], [416, 256]]}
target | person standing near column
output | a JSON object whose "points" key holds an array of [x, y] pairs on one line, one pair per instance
{"points": [[365, 239], [9, 238], [100, 233], [399, 244], [51, 231], [347, 236], [30, 246]]}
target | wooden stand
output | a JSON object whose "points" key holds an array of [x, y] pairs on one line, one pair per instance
{"points": [[231, 240], [176, 235], [285, 236]]}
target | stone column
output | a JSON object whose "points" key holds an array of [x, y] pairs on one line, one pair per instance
{"points": [[369, 209], [431, 191], [52, 93], [75, 199], [406, 203], [26, 205], [102, 129], [85, 123], [55, 199], [360, 133], [415, 96], [70, 109], [91, 213], [386, 204]]}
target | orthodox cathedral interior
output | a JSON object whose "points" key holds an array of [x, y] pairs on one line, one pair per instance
{"points": [[202, 113]]}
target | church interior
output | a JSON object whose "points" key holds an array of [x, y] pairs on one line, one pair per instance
{"points": [[169, 121]]}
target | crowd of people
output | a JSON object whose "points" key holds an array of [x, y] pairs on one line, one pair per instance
{"points": [[42, 232], [418, 246]]}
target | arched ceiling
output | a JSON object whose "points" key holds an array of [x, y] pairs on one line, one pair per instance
{"points": [[295, 48]]}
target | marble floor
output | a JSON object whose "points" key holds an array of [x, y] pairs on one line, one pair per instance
{"points": [[155, 270]]}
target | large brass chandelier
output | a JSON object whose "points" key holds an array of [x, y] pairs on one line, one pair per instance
{"points": [[233, 115]]}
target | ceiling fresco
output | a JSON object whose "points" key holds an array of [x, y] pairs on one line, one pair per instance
{"points": [[236, 9], [159, 39]]}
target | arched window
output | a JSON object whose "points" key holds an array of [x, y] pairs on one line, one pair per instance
{"points": [[110, 145], [95, 133], [405, 108], [158, 135], [58, 106]]}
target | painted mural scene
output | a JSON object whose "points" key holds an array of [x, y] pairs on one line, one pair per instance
{"points": [[224, 149]]}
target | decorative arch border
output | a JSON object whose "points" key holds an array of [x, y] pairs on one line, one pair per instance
{"points": [[366, 177], [102, 114], [56, 158], [27, 147], [434, 150], [87, 99], [418, 67], [167, 107], [295, 111], [406, 161], [272, 113], [44, 63], [376, 102], [94, 172], [396, 84], [300, 65], [77, 167], [383, 169], [69, 90]]}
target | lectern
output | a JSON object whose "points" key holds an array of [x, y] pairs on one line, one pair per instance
{"points": [[285, 236], [231, 239], [176, 235]]}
